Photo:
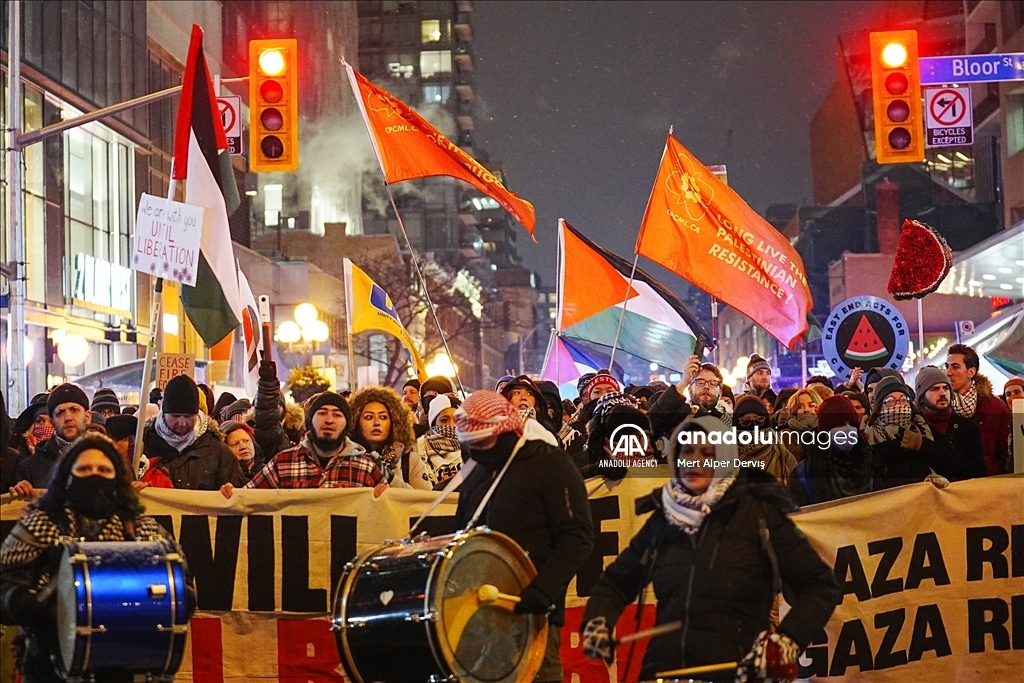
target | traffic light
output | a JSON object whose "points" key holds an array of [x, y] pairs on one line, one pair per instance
{"points": [[273, 105], [896, 87]]}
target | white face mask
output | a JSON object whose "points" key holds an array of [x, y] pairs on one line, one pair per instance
{"points": [[844, 438]]}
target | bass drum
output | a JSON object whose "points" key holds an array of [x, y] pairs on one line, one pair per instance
{"points": [[408, 612], [120, 606]]}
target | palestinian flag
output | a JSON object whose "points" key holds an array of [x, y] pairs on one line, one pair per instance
{"points": [[202, 160], [566, 361], [657, 327]]}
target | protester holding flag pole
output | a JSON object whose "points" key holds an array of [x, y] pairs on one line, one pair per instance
{"points": [[202, 160]]}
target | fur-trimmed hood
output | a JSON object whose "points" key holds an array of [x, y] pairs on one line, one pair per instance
{"points": [[401, 417], [983, 384]]}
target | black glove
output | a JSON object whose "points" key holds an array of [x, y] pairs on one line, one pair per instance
{"points": [[268, 371], [534, 601], [29, 608], [156, 396]]}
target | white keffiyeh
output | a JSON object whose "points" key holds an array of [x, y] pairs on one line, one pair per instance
{"points": [[687, 511], [965, 404]]}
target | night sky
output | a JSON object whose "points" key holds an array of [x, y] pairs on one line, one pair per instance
{"points": [[576, 99]]}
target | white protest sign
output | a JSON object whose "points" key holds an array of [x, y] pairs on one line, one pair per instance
{"points": [[167, 235]]}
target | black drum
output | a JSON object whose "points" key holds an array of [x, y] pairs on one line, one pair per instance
{"points": [[408, 612]]}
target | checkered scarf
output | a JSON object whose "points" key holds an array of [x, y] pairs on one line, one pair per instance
{"points": [[485, 414], [965, 404], [609, 401]]}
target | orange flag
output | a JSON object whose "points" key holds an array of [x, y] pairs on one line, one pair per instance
{"points": [[699, 228], [408, 147]]}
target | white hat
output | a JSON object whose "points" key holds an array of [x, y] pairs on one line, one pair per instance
{"points": [[437, 404]]}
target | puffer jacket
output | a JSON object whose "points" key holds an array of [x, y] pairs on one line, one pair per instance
{"points": [[541, 503], [268, 411], [205, 465], [721, 582]]}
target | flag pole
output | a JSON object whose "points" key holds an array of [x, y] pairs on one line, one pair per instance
{"points": [[920, 331], [423, 284], [714, 330], [622, 314], [147, 364]]}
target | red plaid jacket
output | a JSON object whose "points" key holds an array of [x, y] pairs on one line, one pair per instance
{"points": [[298, 468]]}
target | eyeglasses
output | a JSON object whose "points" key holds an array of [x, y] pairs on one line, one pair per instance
{"points": [[751, 420], [899, 400], [705, 383]]}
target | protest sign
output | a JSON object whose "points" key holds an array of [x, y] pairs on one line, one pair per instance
{"points": [[170, 365], [167, 235]]}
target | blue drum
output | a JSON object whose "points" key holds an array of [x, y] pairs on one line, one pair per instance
{"points": [[120, 606]]}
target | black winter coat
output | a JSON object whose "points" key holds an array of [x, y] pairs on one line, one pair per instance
{"points": [[542, 504], [670, 409], [206, 465], [37, 468], [964, 436], [904, 466], [268, 410], [721, 582]]}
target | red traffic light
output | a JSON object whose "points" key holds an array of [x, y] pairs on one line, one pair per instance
{"points": [[272, 62], [894, 55]]}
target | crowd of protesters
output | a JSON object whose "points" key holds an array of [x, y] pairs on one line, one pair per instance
{"points": [[813, 444]]}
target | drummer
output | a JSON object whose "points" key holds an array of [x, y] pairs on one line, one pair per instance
{"points": [[89, 497], [540, 502], [717, 552]]}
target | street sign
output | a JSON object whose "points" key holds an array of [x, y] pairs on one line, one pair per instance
{"points": [[230, 114], [972, 68], [167, 236], [948, 117]]}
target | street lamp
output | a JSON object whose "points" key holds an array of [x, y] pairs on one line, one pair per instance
{"points": [[442, 366], [306, 330]]}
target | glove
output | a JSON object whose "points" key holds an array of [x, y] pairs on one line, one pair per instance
{"points": [[533, 601], [772, 659], [597, 641], [268, 371], [155, 396]]}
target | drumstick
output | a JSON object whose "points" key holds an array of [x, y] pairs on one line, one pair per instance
{"points": [[489, 593], [650, 632], [706, 669]]}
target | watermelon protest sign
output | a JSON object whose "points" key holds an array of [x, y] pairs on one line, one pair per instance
{"points": [[865, 332]]}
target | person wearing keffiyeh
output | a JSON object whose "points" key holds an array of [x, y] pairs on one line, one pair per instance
{"points": [[903, 440], [726, 528], [973, 399], [438, 455]]}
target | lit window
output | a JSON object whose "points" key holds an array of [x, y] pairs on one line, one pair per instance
{"points": [[430, 30], [436, 94], [433, 62], [484, 203]]}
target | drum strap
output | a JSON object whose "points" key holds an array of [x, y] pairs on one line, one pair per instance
{"points": [[452, 484], [497, 480]]}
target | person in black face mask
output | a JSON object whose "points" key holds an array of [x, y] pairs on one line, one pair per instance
{"points": [[89, 497]]}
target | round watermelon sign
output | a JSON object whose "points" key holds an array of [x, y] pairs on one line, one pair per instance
{"points": [[865, 332]]}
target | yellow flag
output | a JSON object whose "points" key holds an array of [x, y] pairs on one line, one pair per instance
{"points": [[368, 307]]}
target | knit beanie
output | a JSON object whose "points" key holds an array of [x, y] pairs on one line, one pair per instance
{"points": [[757, 363], [878, 374], [485, 414], [66, 393], [223, 401], [234, 425], [326, 398], [886, 386], [748, 404], [432, 387], [611, 400], [440, 403], [236, 409], [835, 411], [927, 378], [581, 384], [181, 396], [105, 398], [1013, 381], [601, 379], [121, 426]]}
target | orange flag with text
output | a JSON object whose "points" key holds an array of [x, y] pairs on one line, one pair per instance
{"points": [[699, 228], [408, 147]]}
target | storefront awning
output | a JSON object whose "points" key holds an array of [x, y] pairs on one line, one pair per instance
{"points": [[992, 268]]}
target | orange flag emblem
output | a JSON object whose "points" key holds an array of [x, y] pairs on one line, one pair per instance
{"points": [[699, 228], [408, 147]]}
